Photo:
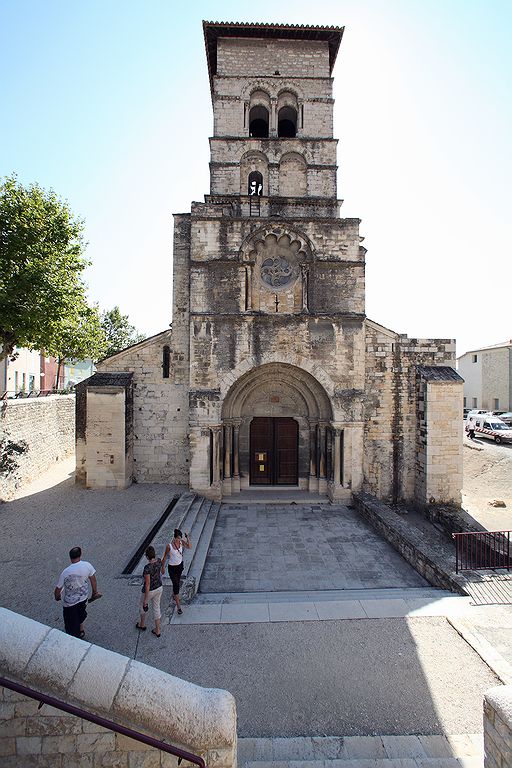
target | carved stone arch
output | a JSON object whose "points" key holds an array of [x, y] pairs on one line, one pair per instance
{"points": [[293, 175], [258, 85], [303, 390], [287, 114], [260, 110], [251, 161], [248, 249]]}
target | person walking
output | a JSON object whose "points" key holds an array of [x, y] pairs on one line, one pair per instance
{"points": [[151, 591], [471, 428], [73, 588], [174, 551]]}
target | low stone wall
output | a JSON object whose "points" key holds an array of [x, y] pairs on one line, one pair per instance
{"points": [[432, 565], [199, 720], [498, 727], [34, 434]]}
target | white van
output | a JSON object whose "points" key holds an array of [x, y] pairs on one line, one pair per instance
{"points": [[493, 428]]}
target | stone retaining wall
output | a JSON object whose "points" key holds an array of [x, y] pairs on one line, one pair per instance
{"points": [[199, 720], [39, 432], [432, 565], [498, 727]]}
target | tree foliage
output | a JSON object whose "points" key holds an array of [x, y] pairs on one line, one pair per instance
{"points": [[43, 301], [119, 333]]}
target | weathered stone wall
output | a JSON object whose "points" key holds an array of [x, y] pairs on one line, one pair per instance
{"points": [[199, 720], [439, 443], [390, 411], [160, 409], [292, 58], [498, 727], [46, 427]]}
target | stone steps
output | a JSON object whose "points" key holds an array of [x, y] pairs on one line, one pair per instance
{"points": [[421, 751], [201, 535]]}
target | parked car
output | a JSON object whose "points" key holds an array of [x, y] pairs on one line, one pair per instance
{"points": [[475, 413], [507, 417], [493, 428]]}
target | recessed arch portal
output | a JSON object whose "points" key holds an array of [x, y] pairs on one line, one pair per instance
{"points": [[301, 390], [274, 420]]}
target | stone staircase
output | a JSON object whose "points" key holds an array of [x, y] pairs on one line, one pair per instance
{"points": [[198, 516], [422, 751]]}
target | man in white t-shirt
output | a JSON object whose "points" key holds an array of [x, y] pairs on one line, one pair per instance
{"points": [[73, 588]]}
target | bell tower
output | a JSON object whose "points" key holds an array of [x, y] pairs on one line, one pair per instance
{"points": [[272, 150]]}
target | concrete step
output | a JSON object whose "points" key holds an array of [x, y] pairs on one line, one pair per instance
{"points": [[200, 552], [194, 524], [427, 594], [165, 533], [415, 751]]}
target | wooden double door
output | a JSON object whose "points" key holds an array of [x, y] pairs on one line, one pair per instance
{"points": [[274, 449]]}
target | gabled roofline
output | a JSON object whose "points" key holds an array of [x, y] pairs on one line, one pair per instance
{"points": [[142, 343], [214, 29], [503, 345]]}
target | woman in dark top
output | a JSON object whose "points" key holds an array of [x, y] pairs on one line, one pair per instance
{"points": [[151, 591]]}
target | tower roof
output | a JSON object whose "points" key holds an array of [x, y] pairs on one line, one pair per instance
{"points": [[215, 29]]}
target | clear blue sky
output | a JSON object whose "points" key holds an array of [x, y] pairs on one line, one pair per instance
{"points": [[107, 101]]}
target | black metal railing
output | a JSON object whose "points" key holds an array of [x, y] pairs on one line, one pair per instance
{"points": [[482, 550], [181, 754]]}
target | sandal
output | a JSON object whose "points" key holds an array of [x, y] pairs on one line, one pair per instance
{"points": [[142, 629], [155, 633], [82, 634], [180, 611]]}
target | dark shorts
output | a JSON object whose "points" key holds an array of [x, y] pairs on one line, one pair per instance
{"points": [[74, 615], [175, 572]]}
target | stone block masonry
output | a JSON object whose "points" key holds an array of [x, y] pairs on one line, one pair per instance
{"points": [[44, 431], [498, 727], [199, 720]]}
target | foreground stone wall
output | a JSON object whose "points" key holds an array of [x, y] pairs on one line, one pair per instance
{"points": [[199, 720], [498, 727], [44, 429]]}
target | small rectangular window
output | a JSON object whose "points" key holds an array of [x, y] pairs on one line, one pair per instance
{"points": [[31, 382], [475, 358], [465, 403], [475, 402], [496, 403]]}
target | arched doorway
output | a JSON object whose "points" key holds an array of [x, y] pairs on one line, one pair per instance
{"points": [[275, 424]]}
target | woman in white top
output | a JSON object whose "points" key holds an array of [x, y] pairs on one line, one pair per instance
{"points": [[174, 551]]}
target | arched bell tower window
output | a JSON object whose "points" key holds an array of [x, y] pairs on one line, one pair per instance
{"points": [[255, 184], [166, 362], [258, 122], [287, 123]]}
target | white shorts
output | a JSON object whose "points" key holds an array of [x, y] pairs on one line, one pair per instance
{"points": [[154, 597]]}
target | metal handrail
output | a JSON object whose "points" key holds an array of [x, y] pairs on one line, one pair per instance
{"points": [[181, 754], [482, 550]]}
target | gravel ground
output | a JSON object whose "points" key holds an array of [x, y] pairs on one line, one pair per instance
{"points": [[355, 677], [488, 476]]}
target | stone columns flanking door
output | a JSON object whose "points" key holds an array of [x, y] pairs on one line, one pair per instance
{"points": [[227, 482], [313, 456]]}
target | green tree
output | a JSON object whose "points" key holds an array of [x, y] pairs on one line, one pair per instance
{"points": [[118, 331], [42, 295], [82, 340]]}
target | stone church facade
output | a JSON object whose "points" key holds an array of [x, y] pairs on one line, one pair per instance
{"points": [[272, 375]]}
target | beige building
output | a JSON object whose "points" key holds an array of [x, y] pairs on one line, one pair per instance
{"points": [[272, 375], [487, 374]]}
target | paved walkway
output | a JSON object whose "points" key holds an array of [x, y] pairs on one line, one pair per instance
{"points": [[295, 547]]}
